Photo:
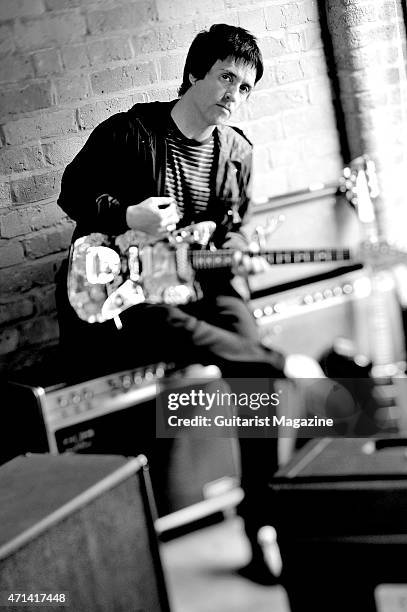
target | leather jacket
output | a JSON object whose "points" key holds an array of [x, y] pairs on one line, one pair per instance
{"points": [[124, 162]]}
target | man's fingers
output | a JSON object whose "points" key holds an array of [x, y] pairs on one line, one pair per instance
{"points": [[159, 205], [163, 203], [260, 265], [241, 263], [169, 212], [254, 247], [170, 216], [169, 220], [237, 257], [153, 215], [245, 264]]}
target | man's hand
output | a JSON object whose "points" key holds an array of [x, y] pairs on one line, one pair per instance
{"points": [[245, 265], [153, 215], [249, 264]]}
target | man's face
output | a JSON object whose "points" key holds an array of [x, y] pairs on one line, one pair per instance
{"points": [[223, 89]]}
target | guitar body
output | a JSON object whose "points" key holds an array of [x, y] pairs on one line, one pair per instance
{"points": [[107, 274], [168, 277]]}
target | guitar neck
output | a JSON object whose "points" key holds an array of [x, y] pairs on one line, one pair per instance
{"points": [[224, 258]]}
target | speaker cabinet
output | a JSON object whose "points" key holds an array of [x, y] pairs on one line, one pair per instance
{"points": [[351, 531], [81, 526]]}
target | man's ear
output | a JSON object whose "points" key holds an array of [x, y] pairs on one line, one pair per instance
{"points": [[192, 79]]}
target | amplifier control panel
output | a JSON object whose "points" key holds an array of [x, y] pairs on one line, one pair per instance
{"points": [[66, 405]]}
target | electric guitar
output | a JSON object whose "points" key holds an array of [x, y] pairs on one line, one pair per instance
{"points": [[109, 274], [384, 366]]}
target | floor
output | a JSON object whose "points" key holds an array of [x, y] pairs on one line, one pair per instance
{"points": [[199, 569], [200, 574]]}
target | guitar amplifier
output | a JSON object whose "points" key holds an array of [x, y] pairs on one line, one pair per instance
{"points": [[78, 417], [308, 319], [351, 532], [116, 414]]}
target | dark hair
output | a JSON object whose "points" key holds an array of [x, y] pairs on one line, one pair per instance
{"points": [[218, 43]]}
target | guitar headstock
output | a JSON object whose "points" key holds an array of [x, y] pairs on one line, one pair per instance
{"points": [[360, 186], [263, 232]]}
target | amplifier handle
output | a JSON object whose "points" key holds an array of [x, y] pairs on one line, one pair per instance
{"points": [[384, 443]]}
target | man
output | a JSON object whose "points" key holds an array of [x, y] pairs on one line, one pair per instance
{"points": [[162, 164]]}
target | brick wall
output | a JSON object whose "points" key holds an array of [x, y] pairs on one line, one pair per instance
{"points": [[65, 65]]}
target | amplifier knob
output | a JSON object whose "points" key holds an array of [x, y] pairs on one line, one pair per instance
{"points": [[138, 379], [87, 394], [76, 398], [114, 384], [160, 371], [127, 382]]}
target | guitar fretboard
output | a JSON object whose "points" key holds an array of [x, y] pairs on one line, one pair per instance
{"points": [[224, 258]]}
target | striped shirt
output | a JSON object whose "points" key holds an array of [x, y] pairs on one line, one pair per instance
{"points": [[189, 174]]}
